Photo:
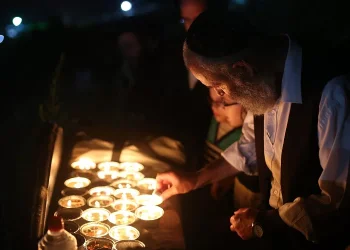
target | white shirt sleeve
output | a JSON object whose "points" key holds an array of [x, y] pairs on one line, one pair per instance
{"points": [[241, 154], [334, 153]]}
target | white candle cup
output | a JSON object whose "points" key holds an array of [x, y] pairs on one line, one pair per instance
{"points": [[149, 200], [124, 183], [149, 213], [108, 174], [147, 185], [124, 233], [133, 176], [126, 193], [72, 201], [95, 214], [108, 165], [83, 164], [125, 205], [122, 218], [100, 201], [101, 190], [77, 182], [129, 244], [94, 229], [69, 214], [131, 166]]}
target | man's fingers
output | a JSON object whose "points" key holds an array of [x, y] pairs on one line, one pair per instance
{"points": [[232, 228], [169, 192], [241, 210]]}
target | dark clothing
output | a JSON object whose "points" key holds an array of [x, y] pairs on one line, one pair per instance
{"points": [[300, 166]]}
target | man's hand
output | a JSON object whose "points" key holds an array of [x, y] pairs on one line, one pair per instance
{"points": [[241, 222], [171, 183], [220, 188]]}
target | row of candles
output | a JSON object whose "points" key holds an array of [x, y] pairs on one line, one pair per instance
{"points": [[122, 195]]}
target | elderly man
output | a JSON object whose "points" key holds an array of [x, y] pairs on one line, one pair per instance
{"points": [[301, 126]]}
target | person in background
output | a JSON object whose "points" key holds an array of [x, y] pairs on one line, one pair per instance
{"points": [[301, 126], [185, 114]]}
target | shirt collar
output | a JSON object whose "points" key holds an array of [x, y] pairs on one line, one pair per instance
{"points": [[291, 80]]}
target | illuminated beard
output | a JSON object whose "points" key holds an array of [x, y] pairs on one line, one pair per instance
{"points": [[256, 94]]}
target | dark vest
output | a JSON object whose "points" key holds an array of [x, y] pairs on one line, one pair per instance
{"points": [[300, 165]]}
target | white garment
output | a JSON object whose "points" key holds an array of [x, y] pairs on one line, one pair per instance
{"points": [[334, 143]]}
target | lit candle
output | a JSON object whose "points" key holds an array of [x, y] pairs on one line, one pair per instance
{"points": [[126, 193], [77, 182], [94, 229], [122, 218], [83, 164], [124, 233], [108, 165], [72, 201], [95, 214], [133, 176], [131, 166], [147, 184], [124, 183], [149, 199], [149, 212], [100, 201], [101, 190], [108, 174], [126, 205]]}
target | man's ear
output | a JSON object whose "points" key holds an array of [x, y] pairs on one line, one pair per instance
{"points": [[245, 65]]}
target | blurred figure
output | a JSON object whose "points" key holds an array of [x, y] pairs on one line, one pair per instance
{"points": [[185, 108], [130, 49]]}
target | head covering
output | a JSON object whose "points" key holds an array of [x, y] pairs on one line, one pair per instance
{"points": [[217, 34]]}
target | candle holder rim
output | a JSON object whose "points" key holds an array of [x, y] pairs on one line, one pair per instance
{"points": [[142, 167], [59, 212], [141, 175], [131, 182], [86, 180], [121, 212], [100, 196], [137, 211], [141, 244], [101, 187], [92, 164], [149, 195], [72, 196], [112, 229], [98, 223]]}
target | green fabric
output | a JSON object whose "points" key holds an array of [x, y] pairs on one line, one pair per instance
{"points": [[224, 141]]}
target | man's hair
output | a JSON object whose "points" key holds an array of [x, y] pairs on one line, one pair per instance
{"points": [[202, 2], [217, 34]]}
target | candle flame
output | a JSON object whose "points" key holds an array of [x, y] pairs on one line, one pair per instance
{"points": [[97, 204], [120, 186], [69, 203], [128, 185]]}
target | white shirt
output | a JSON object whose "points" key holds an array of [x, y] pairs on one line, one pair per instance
{"points": [[333, 137]]}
